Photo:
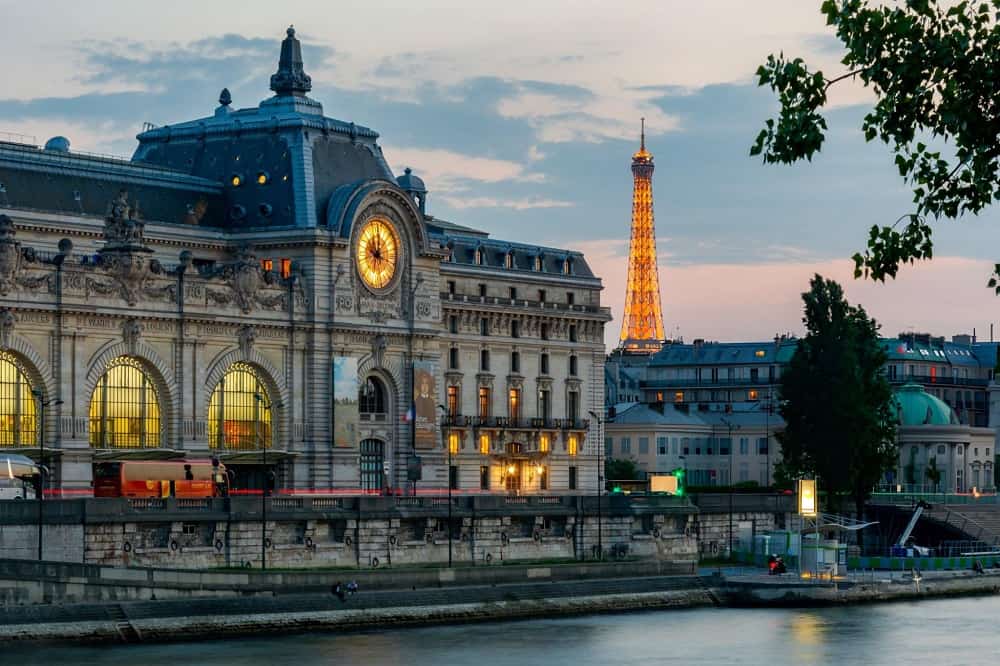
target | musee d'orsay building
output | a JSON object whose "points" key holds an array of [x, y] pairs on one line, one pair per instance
{"points": [[258, 279]]}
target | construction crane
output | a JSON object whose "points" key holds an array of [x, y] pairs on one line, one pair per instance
{"points": [[899, 549]]}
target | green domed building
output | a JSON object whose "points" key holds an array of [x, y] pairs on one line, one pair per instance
{"points": [[931, 436]]}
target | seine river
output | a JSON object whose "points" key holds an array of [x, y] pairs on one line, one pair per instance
{"points": [[947, 632]]}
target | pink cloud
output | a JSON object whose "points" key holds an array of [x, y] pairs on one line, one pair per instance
{"points": [[732, 302]]}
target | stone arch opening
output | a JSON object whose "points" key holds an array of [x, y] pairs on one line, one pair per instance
{"points": [[127, 407]]}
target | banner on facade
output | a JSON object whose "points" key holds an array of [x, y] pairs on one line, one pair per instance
{"points": [[345, 401], [424, 405]]}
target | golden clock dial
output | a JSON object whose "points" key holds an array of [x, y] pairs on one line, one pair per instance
{"points": [[378, 253]]}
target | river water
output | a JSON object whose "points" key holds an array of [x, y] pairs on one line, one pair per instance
{"points": [[939, 632]]}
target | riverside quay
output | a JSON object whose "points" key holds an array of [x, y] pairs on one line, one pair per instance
{"points": [[256, 286]]}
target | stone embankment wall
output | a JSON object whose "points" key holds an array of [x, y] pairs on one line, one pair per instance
{"points": [[752, 514], [348, 532]]}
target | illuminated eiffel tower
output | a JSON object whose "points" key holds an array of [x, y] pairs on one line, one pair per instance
{"points": [[642, 324]]}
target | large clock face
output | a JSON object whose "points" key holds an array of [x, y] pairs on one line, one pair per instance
{"points": [[378, 253]]}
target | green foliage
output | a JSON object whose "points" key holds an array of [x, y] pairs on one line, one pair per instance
{"points": [[837, 404], [621, 469], [934, 68]]}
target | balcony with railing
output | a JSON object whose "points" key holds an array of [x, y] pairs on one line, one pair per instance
{"points": [[937, 380], [530, 306]]}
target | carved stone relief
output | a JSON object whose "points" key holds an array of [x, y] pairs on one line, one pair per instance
{"points": [[249, 284], [131, 332], [7, 323]]}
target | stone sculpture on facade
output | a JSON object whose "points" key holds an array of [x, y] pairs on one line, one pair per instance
{"points": [[246, 280], [125, 258]]}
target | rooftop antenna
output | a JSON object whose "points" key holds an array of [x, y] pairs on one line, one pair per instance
{"points": [[642, 134]]}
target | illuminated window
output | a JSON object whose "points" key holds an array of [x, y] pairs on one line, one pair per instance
{"points": [[484, 444], [236, 180], [286, 268], [453, 443], [479, 257], [514, 403], [124, 410], [572, 445], [752, 394], [759, 353], [538, 263], [508, 260], [679, 396], [239, 411], [659, 396], [267, 264], [452, 401], [543, 442], [18, 426], [484, 402], [262, 178]]}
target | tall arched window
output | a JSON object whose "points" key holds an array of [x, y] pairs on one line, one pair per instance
{"points": [[239, 412], [18, 426], [371, 397], [124, 410]]}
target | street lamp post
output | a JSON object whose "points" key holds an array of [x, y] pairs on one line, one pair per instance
{"points": [[448, 445], [731, 426], [42, 404], [418, 279], [262, 404], [600, 480]]}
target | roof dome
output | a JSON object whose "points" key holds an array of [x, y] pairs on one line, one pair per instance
{"points": [[918, 407], [410, 183], [59, 144]]}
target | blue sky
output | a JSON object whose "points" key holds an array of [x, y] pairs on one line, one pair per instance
{"points": [[522, 117]]}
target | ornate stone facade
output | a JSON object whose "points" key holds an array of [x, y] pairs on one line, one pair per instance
{"points": [[266, 284]]}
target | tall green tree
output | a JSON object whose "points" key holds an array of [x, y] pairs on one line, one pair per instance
{"points": [[933, 67], [837, 404]]}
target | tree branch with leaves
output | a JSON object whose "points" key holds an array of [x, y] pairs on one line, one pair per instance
{"points": [[935, 73]]}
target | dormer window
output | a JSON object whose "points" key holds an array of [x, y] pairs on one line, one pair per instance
{"points": [[538, 262], [508, 260], [567, 265], [478, 258]]}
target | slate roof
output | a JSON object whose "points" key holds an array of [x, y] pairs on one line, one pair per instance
{"points": [[725, 353]]}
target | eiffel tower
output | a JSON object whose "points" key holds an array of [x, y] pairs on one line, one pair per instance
{"points": [[642, 324]]}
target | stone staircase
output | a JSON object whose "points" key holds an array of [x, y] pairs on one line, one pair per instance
{"points": [[979, 522]]}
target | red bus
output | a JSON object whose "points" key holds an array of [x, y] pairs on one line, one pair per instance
{"points": [[160, 478]]}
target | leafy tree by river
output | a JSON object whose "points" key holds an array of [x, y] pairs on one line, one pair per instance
{"points": [[933, 67], [836, 401]]}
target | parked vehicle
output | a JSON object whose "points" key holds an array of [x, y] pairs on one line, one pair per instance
{"points": [[18, 476], [161, 478]]}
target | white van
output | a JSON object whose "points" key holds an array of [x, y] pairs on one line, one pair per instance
{"points": [[16, 472], [15, 489]]}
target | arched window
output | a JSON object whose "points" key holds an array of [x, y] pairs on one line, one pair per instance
{"points": [[124, 410], [18, 426], [371, 397], [239, 411]]}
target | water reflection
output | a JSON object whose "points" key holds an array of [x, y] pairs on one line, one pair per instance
{"points": [[915, 634]]}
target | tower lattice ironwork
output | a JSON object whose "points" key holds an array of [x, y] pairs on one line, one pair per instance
{"points": [[642, 324]]}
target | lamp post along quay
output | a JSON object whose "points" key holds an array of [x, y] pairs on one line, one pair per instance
{"points": [[262, 403], [42, 404], [731, 426], [600, 480], [444, 412]]}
